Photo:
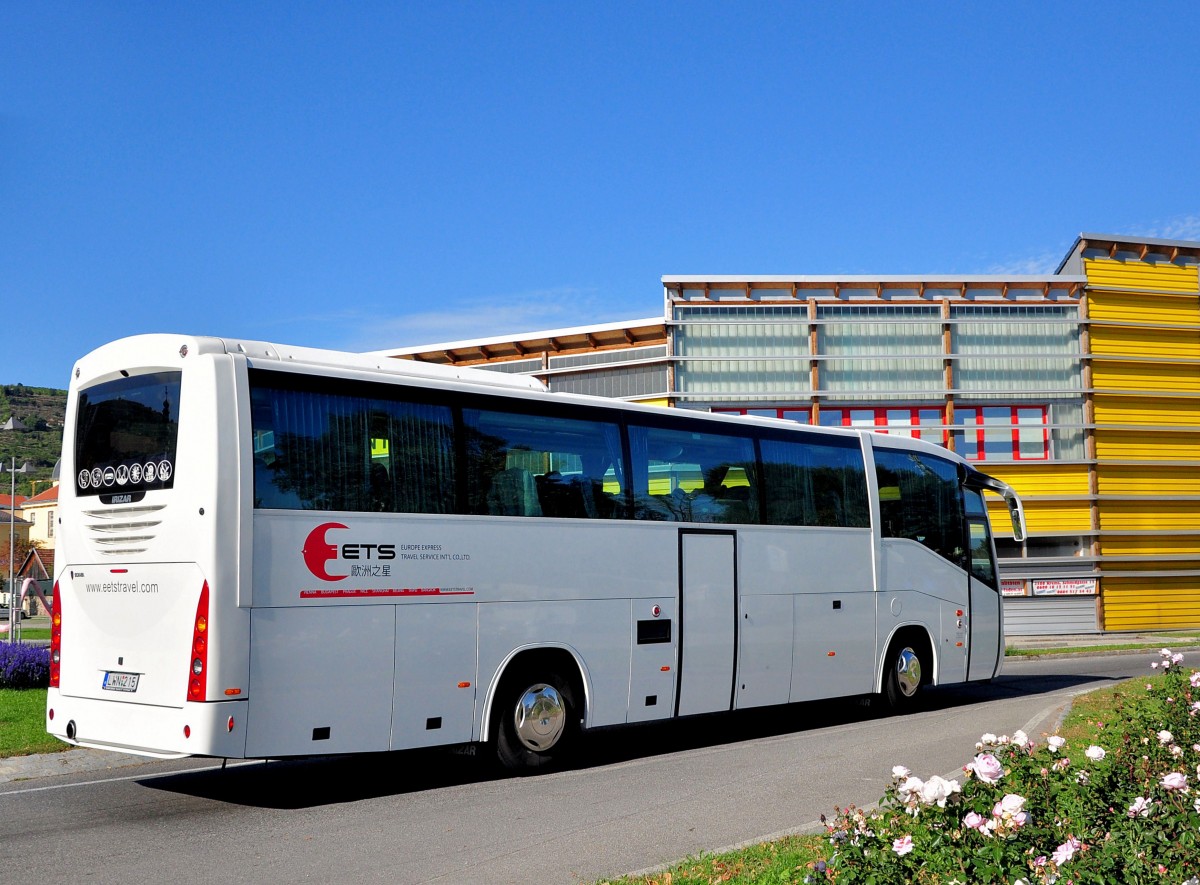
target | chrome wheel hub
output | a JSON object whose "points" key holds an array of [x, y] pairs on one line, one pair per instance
{"points": [[540, 717], [908, 672]]}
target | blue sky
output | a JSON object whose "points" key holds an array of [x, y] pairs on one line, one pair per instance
{"points": [[370, 175]]}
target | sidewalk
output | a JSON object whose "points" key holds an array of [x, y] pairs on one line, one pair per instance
{"points": [[1105, 643], [21, 768], [73, 761]]}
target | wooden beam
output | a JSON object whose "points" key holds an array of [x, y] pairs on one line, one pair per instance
{"points": [[629, 339], [555, 345], [591, 340]]}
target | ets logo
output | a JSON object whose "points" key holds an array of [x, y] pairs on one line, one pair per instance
{"points": [[319, 552]]}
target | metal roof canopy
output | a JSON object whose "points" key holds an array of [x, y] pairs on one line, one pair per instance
{"points": [[1112, 242], [530, 345]]}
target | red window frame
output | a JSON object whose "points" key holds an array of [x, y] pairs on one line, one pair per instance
{"points": [[881, 419], [978, 430], [843, 416]]}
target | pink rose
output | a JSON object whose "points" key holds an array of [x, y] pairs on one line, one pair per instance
{"points": [[1140, 807], [1066, 851], [987, 768], [1174, 781]]}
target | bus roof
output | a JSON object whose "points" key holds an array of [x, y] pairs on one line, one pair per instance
{"points": [[166, 349]]}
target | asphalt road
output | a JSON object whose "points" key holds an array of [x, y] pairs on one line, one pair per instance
{"points": [[645, 796]]}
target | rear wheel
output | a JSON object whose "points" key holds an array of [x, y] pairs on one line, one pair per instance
{"points": [[538, 725], [907, 661]]}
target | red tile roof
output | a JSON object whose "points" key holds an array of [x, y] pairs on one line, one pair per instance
{"points": [[50, 494]]}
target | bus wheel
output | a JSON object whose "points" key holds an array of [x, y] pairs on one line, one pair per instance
{"points": [[904, 675], [538, 723]]}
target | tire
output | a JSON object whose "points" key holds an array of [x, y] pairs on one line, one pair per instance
{"points": [[905, 671], [537, 726]]}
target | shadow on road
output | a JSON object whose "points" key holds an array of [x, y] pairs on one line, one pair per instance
{"points": [[316, 781]]}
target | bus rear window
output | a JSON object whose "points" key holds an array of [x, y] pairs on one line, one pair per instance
{"points": [[125, 435]]}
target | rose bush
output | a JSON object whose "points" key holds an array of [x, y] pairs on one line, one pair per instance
{"points": [[1121, 810]]}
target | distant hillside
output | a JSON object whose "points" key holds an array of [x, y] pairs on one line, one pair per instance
{"points": [[43, 411]]}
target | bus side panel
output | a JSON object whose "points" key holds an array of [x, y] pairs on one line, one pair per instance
{"points": [[812, 588], [652, 672], [835, 645], [765, 634], [595, 630], [437, 658], [920, 588], [321, 680]]}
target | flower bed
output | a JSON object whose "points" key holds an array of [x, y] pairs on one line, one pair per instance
{"points": [[1125, 809], [24, 666]]}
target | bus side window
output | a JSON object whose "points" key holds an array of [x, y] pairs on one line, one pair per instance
{"points": [[685, 476], [920, 499], [813, 482], [542, 465], [983, 567]]}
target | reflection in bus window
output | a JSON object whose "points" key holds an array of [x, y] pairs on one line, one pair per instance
{"points": [[920, 499], [815, 482], [538, 465], [681, 476], [318, 450]]}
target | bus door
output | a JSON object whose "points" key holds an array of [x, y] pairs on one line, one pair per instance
{"points": [[707, 621], [986, 645]]}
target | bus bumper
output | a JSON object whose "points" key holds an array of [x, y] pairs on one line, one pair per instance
{"points": [[195, 729]]}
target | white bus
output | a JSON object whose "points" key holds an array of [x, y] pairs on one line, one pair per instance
{"points": [[269, 551]]}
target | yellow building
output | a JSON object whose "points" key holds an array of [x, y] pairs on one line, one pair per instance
{"points": [[1081, 388]]}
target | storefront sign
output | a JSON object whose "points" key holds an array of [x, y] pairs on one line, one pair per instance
{"points": [[1065, 587], [1012, 587]]}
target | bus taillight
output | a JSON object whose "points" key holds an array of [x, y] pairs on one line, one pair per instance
{"points": [[55, 639], [197, 677]]}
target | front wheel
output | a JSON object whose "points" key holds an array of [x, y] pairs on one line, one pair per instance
{"points": [[538, 724], [904, 675]]}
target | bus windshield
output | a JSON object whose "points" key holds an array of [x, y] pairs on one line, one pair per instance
{"points": [[126, 432]]}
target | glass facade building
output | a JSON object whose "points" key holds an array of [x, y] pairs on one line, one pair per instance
{"points": [[1081, 388]]}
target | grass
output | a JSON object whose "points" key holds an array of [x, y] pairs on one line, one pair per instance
{"points": [[23, 723], [788, 860], [1079, 649], [33, 633]]}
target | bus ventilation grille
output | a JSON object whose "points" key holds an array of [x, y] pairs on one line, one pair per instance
{"points": [[122, 532]]}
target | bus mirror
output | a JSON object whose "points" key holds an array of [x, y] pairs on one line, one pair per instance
{"points": [[1017, 513], [1012, 500]]}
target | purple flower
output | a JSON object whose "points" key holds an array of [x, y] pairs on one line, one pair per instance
{"points": [[24, 666]]}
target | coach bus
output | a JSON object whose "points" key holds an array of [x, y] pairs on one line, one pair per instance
{"points": [[270, 551]]}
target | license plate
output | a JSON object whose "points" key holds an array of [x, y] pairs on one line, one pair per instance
{"points": [[120, 681]]}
